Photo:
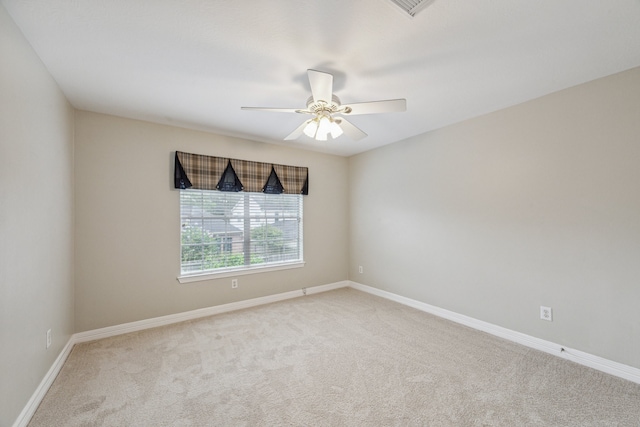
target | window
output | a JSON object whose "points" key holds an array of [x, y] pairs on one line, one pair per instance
{"points": [[227, 244], [230, 231]]}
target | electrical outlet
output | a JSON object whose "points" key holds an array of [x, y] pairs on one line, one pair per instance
{"points": [[49, 338], [360, 269], [234, 283], [546, 313]]}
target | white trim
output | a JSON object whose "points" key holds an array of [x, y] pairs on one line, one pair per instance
{"points": [[596, 362], [188, 278], [111, 331], [42, 389]]}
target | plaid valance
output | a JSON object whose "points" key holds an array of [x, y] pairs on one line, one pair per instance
{"points": [[219, 173]]}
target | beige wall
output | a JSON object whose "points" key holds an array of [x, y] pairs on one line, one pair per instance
{"points": [[36, 220], [538, 204], [127, 221]]}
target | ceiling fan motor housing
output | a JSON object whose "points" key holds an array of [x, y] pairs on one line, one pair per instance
{"points": [[328, 107]]}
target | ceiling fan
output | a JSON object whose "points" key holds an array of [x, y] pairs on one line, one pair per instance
{"points": [[329, 114]]}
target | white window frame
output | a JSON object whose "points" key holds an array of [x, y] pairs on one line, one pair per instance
{"points": [[217, 273]]}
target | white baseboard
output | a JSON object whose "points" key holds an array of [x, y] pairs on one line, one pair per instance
{"points": [[203, 312], [599, 363], [33, 403]]}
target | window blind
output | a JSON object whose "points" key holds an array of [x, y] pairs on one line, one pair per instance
{"points": [[239, 230]]}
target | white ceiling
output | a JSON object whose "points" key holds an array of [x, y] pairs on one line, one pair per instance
{"points": [[194, 63]]}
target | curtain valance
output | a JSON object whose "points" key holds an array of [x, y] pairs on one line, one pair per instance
{"points": [[219, 173]]}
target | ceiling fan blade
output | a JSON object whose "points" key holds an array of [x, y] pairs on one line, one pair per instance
{"points": [[373, 107], [296, 133], [321, 85], [350, 129], [277, 110]]}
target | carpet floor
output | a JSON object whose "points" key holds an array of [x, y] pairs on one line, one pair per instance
{"points": [[338, 358]]}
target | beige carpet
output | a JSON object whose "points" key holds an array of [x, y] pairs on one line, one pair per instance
{"points": [[332, 359]]}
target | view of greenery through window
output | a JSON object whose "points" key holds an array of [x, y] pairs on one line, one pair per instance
{"points": [[223, 230]]}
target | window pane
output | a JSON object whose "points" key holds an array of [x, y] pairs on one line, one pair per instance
{"points": [[224, 230]]}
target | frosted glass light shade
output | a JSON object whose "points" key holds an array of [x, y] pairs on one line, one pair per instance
{"points": [[324, 127], [336, 130], [311, 128]]}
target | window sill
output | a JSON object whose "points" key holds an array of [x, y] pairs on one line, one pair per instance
{"points": [[188, 278]]}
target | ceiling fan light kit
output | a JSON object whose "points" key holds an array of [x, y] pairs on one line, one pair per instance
{"points": [[323, 105], [321, 126]]}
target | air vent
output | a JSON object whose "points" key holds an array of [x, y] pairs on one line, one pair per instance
{"points": [[411, 7]]}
